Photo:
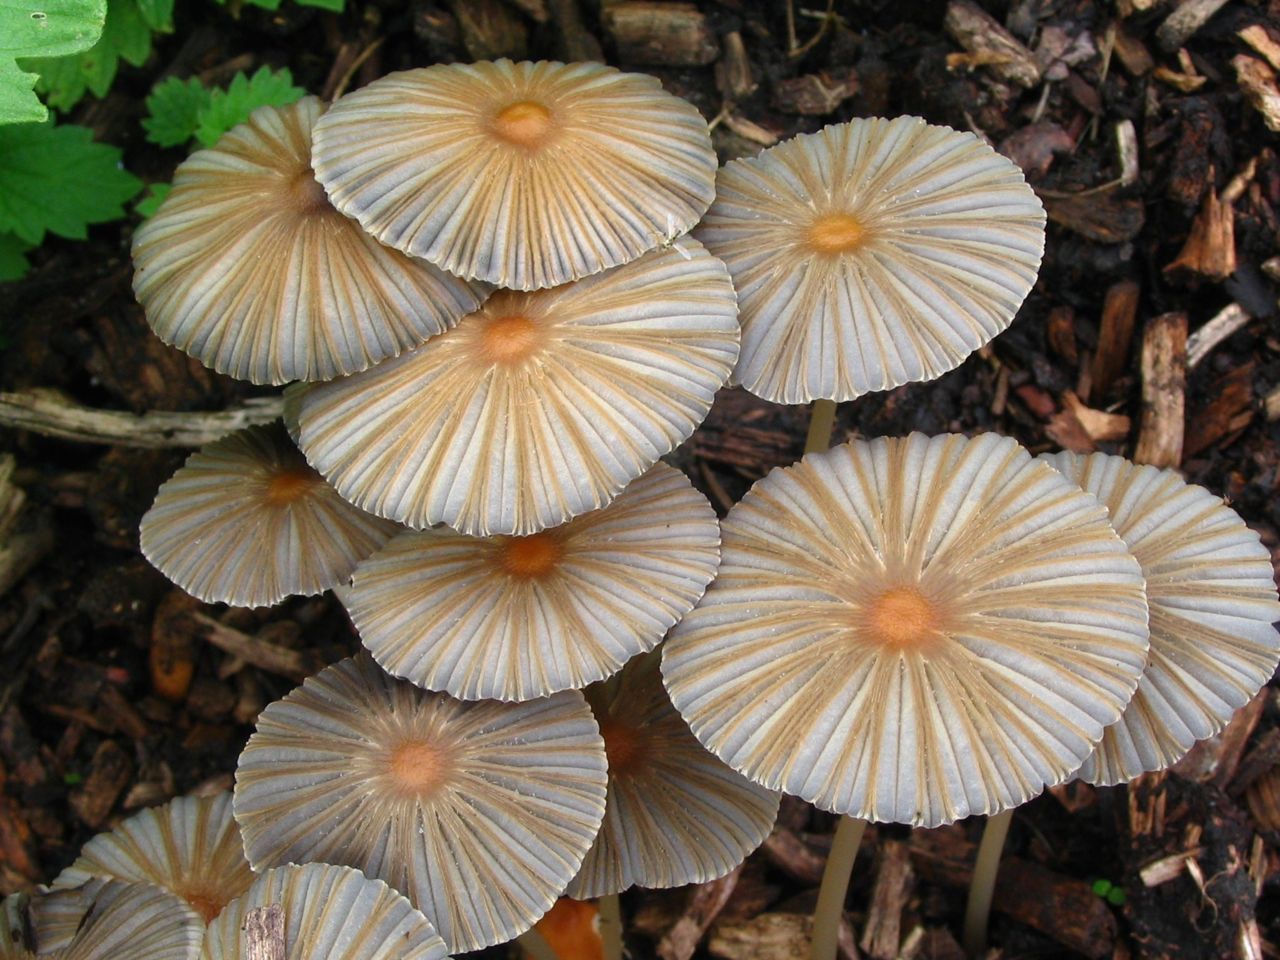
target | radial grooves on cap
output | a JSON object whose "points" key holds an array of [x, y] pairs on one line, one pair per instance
{"points": [[190, 846], [1041, 606], [436, 607], [330, 913], [214, 530], [680, 816], [412, 156], [626, 365], [138, 921], [950, 241], [1213, 601], [249, 269], [485, 853]]}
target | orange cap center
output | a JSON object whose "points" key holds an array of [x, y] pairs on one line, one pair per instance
{"points": [[835, 233], [903, 618], [418, 767], [525, 123], [205, 903], [624, 745], [290, 485], [530, 557], [510, 339]]}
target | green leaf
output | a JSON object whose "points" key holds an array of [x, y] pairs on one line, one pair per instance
{"points": [[230, 107], [1101, 887], [148, 205], [1116, 897], [56, 179], [13, 262], [174, 107], [158, 14], [334, 5], [65, 80], [32, 28]]}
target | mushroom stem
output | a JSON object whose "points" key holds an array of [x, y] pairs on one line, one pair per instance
{"points": [[822, 418], [984, 882], [535, 945], [835, 878], [611, 926]]}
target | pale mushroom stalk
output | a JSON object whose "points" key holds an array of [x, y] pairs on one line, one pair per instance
{"points": [[835, 885], [611, 926], [978, 909], [822, 419]]}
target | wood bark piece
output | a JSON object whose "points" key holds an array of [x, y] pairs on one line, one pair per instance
{"points": [[734, 77], [293, 664], [576, 43], [109, 773], [661, 34], [1229, 410], [1098, 214], [52, 414], [794, 857], [1210, 249], [1263, 42], [490, 29], [993, 46], [1132, 52], [1223, 324], [1189, 17], [264, 933], [773, 936], [1258, 81], [1115, 335], [895, 882], [1164, 385], [705, 904], [26, 535]]}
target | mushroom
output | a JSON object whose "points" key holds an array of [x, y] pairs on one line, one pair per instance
{"points": [[537, 407], [511, 618], [248, 267], [327, 913], [246, 521], [480, 813], [526, 175]]}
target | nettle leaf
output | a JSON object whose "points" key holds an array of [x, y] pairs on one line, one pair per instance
{"points": [[13, 261], [56, 179], [230, 107], [32, 28], [158, 14], [175, 107], [148, 205]]}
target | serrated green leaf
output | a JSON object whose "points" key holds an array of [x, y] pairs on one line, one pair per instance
{"points": [[230, 107], [158, 14], [334, 5], [148, 205], [56, 179], [32, 28], [174, 108], [13, 261], [65, 80]]}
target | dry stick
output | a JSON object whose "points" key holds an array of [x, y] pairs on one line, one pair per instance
{"points": [[981, 889], [535, 945], [835, 885], [611, 926]]}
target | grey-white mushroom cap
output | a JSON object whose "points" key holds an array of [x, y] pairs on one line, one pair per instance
{"points": [[912, 630], [871, 254], [1212, 593]]}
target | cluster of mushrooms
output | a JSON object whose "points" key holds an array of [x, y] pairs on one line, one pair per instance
{"points": [[483, 281]]}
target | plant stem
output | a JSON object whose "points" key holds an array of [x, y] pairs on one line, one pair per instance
{"points": [[835, 884], [983, 886], [822, 417], [611, 926], [533, 943]]}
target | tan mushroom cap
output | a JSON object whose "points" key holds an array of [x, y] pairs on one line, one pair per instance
{"points": [[537, 407], [511, 618], [329, 913], [1212, 594], [248, 267], [189, 846], [871, 254], [526, 175], [246, 521], [480, 813], [912, 630], [675, 814], [115, 920]]}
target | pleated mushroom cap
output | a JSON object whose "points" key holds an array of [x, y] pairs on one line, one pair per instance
{"points": [[189, 846], [536, 408], [526, 175], [247, 267], [871, 254], [118, 920], [480, 813], [246, 521], [675, 814], [328, 913], [1212, 595], [912, 630], [511, 618]]}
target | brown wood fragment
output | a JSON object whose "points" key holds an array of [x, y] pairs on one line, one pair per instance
{"points": [[705, 904], [1186, 19], [1217, 758], [1180, 80], [661, 34], [815, 94], [490, 29], [109, 773], [1210, 249], [1115, 336], [1258, 81], [1034, 146], [536, 10], [1229, 410], [1080, 429], [575, 43], [1147, 799], [1164, 386], [264, 937], [1257, 763], [1222, 325], [172, 655], [26, 531], [794, 857], [293, 664], [734, 77], [983, 36], [934, 943], [1263, 798], [895, 881], [773, 936], [1263, 42], [1161, 871], [18, 849], [1097, 215], [1132, 52]]}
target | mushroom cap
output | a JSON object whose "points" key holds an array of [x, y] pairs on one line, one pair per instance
{"points": [[115, 919], [526, 175], [329, 913], [537, 407], [1212, 594], [247, 267], [246, 521], [189, 846], [479, 812], [675, 814], [511, 618], [871, 254], [912, 629]]}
